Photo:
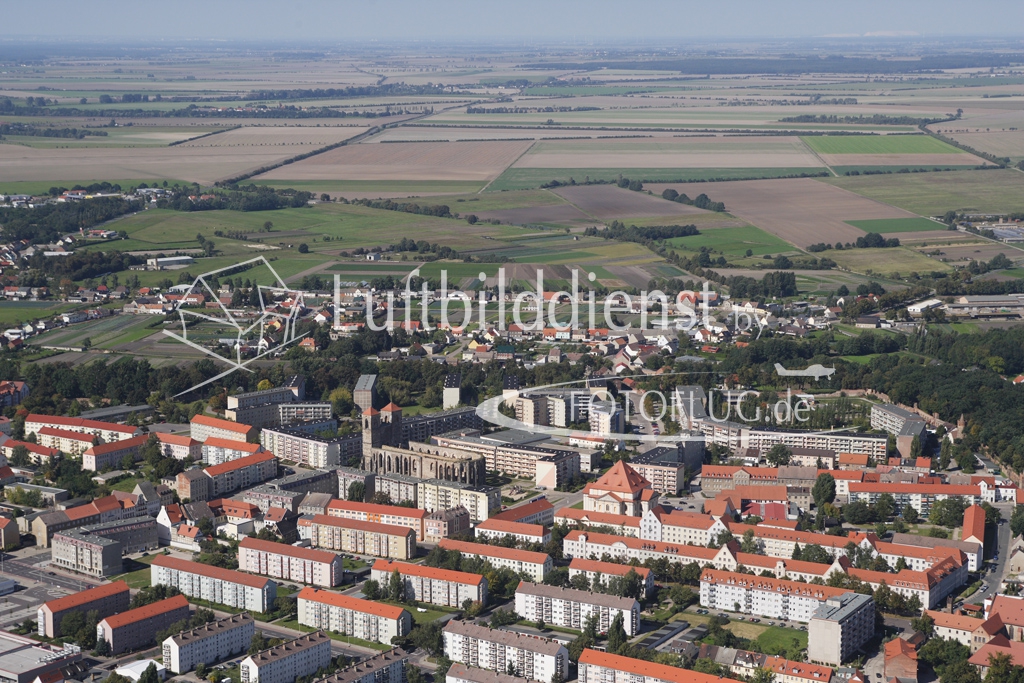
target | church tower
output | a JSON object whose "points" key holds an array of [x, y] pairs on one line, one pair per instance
{"points": [[391, 423], [372, 431]]}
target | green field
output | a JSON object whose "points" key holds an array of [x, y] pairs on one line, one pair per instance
{"points": [[14, 312], [886, 225], [139, 572], [458, 270], [386, 188], [779, 640], [932, 194], [886, 261], [735, 241], [526, 178], [878, 144]]}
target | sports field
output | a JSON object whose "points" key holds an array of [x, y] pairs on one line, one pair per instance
{"points": [[887, 225]]}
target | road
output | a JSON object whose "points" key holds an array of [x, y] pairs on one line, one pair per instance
{"points": [[996, 578]]}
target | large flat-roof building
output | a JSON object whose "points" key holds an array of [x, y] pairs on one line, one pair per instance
{"points": [[288, 661], [307, 449], [340, 613], [79, 551], [839, 627], [571, 608], [534, 658], [208, 643], [435, 494], [138, 627], [24, 660], [394, 515], [105, 600], [214, 584], [429, 584], [290, 563]]}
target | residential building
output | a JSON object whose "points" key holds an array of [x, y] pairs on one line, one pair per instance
{"points": [[460, 673], [214, 584], [350, 475], [362, 538], [111, 455], [446, 523], [547, 465], [839, 627], [537, 511], [393, 515], [664, 468], [105, 599], [605, 522], [106, 432], [971, 550], [763, 596], [601, 667], [621, 491], [497, 529], [116, 506], [535, 565], [288, 661], [138, 627], [974, 526], [179, 446], [595, 570], [386, 667], [216, 450], [532, 657], [37, 453], [209, 643], [204, 426], [592, 545], [97, 549], [65, 441], [429, 584], [358, 618], [309, 450], [290, 563], [193, 485], [436, 494], [242, 473], [572, 608], [451, 393], [904, 424], [688, 528], [919, 496], [973, 632], [606, 419], [315, 504], [364, 394]]}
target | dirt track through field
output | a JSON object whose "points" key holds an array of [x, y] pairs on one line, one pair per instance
{"points": [[801, 211]]}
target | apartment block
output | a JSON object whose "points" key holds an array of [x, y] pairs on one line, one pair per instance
{"points": [[429, 584], [537, 511], [839, 627], [386, 667], [216, 450], [362, 538], [536, 565], [105, 599], [104, 455], [288, 661], [688, 528], [308, 450], [203, 427], [358, 618], [398, 487], [763, 596], [497, 529], [571, 608], [179, 446], [460, 673], [435, 494], [105, 431], [290, 563], [138, 627], [65, 441], [664, 468], [446, 523], [85, 553], [214, 584], [533, 658], [920, 496], [595, 569], [350, 475], [209, 643], [393, 515], [602, 667], [242, 473]]}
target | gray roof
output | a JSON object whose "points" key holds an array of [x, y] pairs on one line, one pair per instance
{"points": [[86, 537], [289, 648], [929, 542], [212, 629], [841, 607], [509, 638], [461, 672], [365, 382], [571, 594], [897, 411], [357, 672]]}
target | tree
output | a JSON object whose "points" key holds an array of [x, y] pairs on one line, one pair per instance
{"points": [[924, 624], [885, 506], [264, 385], [472, 219], [778, 455], [1017, 520], [858, 512], [616, 634], [356, 491], [303, 248], [762, 675], [20, 456], [258, 643], [371, 589], [748, 544], [149, 675], [201, 669], [824, 490], [541, 625], [396, 587], [102, 648], [909, 514]]}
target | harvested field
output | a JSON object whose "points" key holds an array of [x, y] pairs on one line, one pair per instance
{"points": [[802, 211], [633, 276], [527, 178], [901, 260], [609, 202], [415, 133], [961, 159], [677, 152], [892, 225], [407, 161], [932, 194], [972, 252], [1000, 143], [280, 136], [93, 164], [559, 213]]}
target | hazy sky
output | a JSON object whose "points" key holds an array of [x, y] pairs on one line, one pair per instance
{"points": [[469, 20]]}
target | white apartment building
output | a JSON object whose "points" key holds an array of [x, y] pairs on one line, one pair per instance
{"points": [[308, 450], [208, 643], [536, 565], [214, 584], [603, 667], [290, 563], [595, 569], [589, 545], [216, 450], [288, 661], [497, 529], [763, 596], [386, 667], [179, 446], [443, 587], [354, 617], [435, 494], [106, 431], [688, 528], [839, 627], [571, 608], [392, 515], [533, 658], [920, 496], [606, 420]]}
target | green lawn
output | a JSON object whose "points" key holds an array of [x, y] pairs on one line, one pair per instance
{"points": [[779, 640], [127, 485], [878, 144], [293, 624], [735, 241], [139, 574], [526, 178], [884, 225]]}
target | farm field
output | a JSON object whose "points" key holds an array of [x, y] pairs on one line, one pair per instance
{"points": [[526, 178], [465, 161], [127, 136], [953, 253], [801, 211], [1000, 143], [886, 261], [878, 144], [735, 241], [676, 152], [610, 202], [891, 225], [932, 194], [376, 189], [278, 136], [14, 312]]}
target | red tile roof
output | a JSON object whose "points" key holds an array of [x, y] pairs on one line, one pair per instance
{"points": [[87, 596], [176, 439], [350, 603], [924, 489], [639, 667], [974, 524], [517, 513], [210, 571], [598, 518], [786, 667], [114, 446], [374, 509], [153, 609], [373, 527], [610, 568], [228, 444], [680, 549], [766, 583], [405, 568], [80, 422], [240, 463], [65, 434], [218, 423], [310, 554], [504, 526], [621, 478], [494, 551], [999, 645]]}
